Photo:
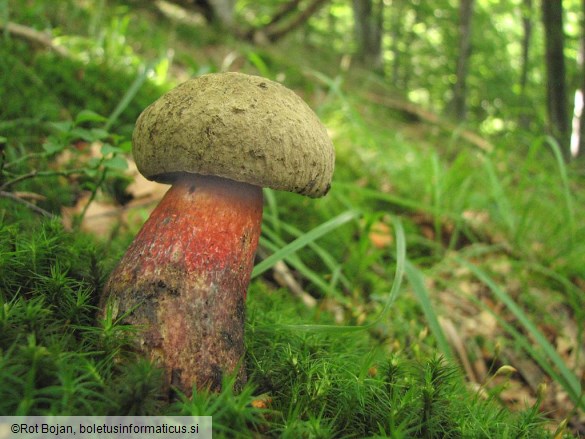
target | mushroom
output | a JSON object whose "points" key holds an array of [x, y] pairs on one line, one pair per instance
{"points": [[218, 139]]}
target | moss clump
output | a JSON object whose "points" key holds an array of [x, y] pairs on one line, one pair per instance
{"points": [[41, 87], [349, 385], [54, 357]]}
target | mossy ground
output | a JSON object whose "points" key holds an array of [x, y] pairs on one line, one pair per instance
{"points": [[58, 359]]}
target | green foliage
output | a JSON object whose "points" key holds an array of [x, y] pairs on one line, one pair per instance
{"points": [[233, 414], [54, 356], [64, 85], [71, 145]]}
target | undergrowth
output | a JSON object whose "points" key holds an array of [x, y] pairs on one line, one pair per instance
{"points": [[328, 385], [58, 358]]}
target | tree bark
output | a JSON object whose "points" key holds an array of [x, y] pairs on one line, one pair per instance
{"points": [[223, 12], [578, 126], [220, 12], [526, 42], [408, 41], [284, 11], [397, 14], [460, 89], [369, 22], [556, 98]]}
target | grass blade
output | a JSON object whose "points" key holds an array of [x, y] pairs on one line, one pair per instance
{"points": [[416, 279], [396, 285], [128, 96], [306, 272], [304, 240], [566, 188], [323, 254]]}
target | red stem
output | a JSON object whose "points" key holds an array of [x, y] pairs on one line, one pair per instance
{"points": [[184, 280]]}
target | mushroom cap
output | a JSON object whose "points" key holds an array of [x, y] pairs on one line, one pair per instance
{"points": [[236, 126]]}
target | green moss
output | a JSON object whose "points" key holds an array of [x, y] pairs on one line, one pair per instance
{"points": [[350, 385], [55, 358], [61, 88]]}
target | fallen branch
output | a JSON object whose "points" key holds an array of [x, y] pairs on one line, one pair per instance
{"points": [[272, 32], [276, 34], [29, 205], [33, 36], [285, 10], [427, 116], [35, 174], [284, 278]]}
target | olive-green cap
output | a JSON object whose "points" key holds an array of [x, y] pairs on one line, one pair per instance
{"points": [[236, 126]]}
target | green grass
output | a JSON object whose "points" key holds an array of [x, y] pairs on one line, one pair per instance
{"points": [[372, 358]]}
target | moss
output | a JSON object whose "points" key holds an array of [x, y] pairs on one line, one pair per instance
{"points": [[63, 87], [54, 356]]}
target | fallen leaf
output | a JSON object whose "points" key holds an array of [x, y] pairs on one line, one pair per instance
{"points": [[262, 402], [380, 235]]}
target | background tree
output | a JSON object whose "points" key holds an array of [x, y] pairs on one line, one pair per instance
{"points": [[287, 18], [459, 92], [218, 11], [275, 30], [525, 66], [223, 10], [369, 21], [396, 30], [399, 26], [578, 126], [556, 88]]}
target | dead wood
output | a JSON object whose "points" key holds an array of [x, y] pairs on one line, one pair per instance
{"points": [[427, 116], [33, 36]]}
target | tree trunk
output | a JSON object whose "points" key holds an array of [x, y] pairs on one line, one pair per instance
{"points": [[524, 119], [409, 39], [556, 98], [578, 132], [460, 90], [223, 12], [368, 32], [397, 17]]}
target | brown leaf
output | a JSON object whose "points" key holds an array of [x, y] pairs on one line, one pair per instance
{"points": [[380, 235]]}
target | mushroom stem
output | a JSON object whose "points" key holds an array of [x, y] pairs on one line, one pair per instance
{"points": [[184, 279]]}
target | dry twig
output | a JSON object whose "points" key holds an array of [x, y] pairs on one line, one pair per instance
{"points": [[33, 36], [29, 205], [284, 278]]}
